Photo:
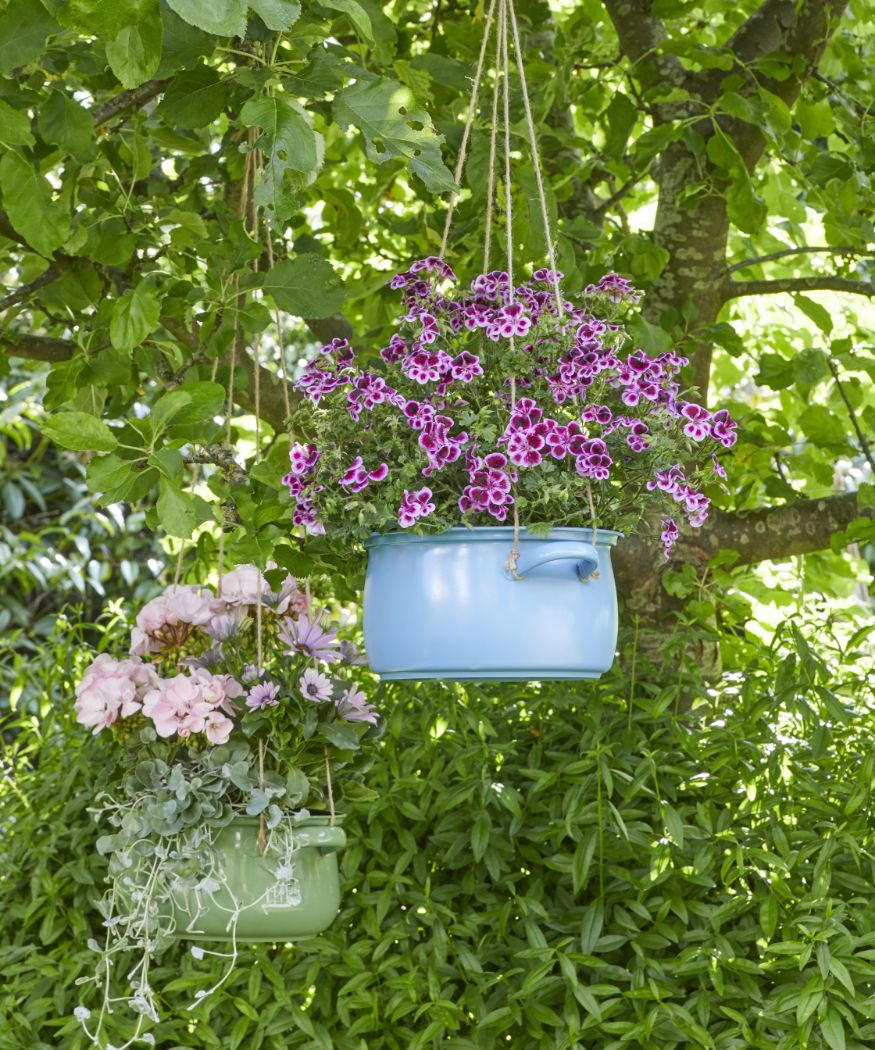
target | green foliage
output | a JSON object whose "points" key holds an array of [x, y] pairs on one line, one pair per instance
{"points": [[542, 868], [56, 547], [339, 120]]}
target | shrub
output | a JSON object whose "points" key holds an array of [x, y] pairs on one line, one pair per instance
{"points": [[545, 868]]}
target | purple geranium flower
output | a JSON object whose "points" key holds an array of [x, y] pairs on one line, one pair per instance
{"points": [[414, 505]]}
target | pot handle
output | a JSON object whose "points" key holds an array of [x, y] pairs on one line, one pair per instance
{"points": [[535, 555]]}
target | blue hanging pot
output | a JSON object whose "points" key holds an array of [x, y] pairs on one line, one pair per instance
{"points": [[447, 606]]}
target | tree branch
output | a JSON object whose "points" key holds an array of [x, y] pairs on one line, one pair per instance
{"points": [[129, 100], [605, 206], [738, 289], [640, 33], [855, 422], [23, 291], [843, 249], [779, 27], [764, 534], [38, 347]]}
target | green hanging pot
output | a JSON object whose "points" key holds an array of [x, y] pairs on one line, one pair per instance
{"points": [[291, 892]]}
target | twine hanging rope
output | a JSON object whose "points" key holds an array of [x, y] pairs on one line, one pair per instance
{"points": [[472, 108], [507, 26], [332, 816]]}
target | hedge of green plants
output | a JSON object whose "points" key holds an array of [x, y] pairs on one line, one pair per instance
{"points": [[543, 868]]}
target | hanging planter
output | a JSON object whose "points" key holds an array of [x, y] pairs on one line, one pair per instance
{"points": [[474, 620], [228, 713], [511, 435], [286, 893]]}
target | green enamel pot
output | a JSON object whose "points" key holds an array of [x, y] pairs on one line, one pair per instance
{"points": [[259, 899]]}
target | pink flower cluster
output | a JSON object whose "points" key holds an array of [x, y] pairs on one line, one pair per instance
{"points": [[186, 630], [616, 288], [669, 535], [199, 702], [169, 619], [112, 689], [303, 489]]}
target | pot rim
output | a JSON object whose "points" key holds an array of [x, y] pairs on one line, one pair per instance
{"points": [[494, 533], [315, 820]]}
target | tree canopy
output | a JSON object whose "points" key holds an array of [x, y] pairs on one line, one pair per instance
{"points": [[189, 187]]}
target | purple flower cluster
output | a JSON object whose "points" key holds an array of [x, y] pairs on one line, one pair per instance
{"points": [[669, 535], [489, 487], [673, 482], [439, 446], [608, 410], [616, 288], [304, 460], [414, 505], [358, 476]]}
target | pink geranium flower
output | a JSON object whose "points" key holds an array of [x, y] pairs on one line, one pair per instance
{"points": [[217, 728], [112, 689], [242, 586], [169, 619]]}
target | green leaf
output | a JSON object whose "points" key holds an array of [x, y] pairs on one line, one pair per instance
{"points": [[28, 202], [80, 432], [183, 45], [134, 54], [866, 495], [24, 26], [222, 17], [195, 98], [205, 400], [258, 802], [621, 116], [306, 286], [341, 734], [176, 510], [355, 13], [674, 825], [169, 462], [838, 969], [386, 114], [297, 787], [278, 15], [833, 1030], [14, 126], [815, 312], [134, 316], [63, 122], [591, 926], [769, 916], [290, 145], [747, 209], [167, 406], [480, 836], [822, 426]]}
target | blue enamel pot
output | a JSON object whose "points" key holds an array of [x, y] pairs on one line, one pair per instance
{"points": [[446, 606]]}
